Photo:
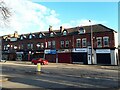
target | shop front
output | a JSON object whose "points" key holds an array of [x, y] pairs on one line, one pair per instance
{"points": [[79, 55], [64, 56], [50, 55], [107, 56]]}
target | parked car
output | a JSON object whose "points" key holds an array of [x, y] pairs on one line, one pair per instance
{"points": [[39, 60]]}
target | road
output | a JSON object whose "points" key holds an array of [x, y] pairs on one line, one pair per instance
{"points": [[58, 76]]}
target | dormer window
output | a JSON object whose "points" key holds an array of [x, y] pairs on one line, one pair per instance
{"points": [[30, 36], [40, 36], [21, 38], [64, 32], [81, 30], [51, 34], [6, 39]]}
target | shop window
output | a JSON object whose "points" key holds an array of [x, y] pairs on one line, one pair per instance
{"points": [[78, 42], [67, 43], [62, 44], [106, 41], [99, 41], [84, 42]]}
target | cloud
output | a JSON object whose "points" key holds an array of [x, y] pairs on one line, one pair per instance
{"points": [[82, 22], [29, 17]]}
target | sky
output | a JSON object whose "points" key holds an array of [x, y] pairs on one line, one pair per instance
{"points": [[30, 16]]}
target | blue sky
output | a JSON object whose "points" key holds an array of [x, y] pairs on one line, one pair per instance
{"points": [[30, 16], [100, 12]]}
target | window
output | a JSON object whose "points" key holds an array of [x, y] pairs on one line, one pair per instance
{"points": [[21, 38], [51, 34], [42, 45], [40, 36], [67, 43], [62, 44], [78, 42], [84, 42], [53, 44], [99, 41], [6, 39], [30, 46], [30, 36], [49, 44], [64, 32], [38, 45], [81, 30], [106, 41]]}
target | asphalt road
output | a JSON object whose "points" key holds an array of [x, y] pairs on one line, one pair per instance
{"points": [[24, 75]]}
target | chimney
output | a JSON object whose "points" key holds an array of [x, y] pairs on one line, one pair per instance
{"points": [[61, 29], [15, 34], [50, 28]]}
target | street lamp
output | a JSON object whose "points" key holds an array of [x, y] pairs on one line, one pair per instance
{"points": [[91, 43]]}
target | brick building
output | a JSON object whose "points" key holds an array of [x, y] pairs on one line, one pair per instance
{"points": [[66, 45]]}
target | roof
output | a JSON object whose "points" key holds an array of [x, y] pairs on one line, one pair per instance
{"points": [[74, 30]]}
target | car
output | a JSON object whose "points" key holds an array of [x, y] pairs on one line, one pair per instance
{"points": [[42, 61]]}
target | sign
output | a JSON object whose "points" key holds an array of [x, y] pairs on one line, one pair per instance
{"points": [[79, 50], [102, 50], [50, 51]]}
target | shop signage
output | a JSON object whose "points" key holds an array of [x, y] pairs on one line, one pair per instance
{"points": [[103, 51], [50, 51], [80, 50]]}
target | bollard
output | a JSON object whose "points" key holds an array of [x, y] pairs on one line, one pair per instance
{"points": [[38, 67]]}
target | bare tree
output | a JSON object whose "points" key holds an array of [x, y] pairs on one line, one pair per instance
{"points": [[4, 10]]}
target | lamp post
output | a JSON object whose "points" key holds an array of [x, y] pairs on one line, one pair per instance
{"points": [[91, 43]]}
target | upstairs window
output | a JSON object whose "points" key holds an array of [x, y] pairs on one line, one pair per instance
{"points": [[6, 39], [67, 43], [84, 42], [81, 30], [53, 44], [62, 44], [51, 34], [30, 36], [64, 32], [49, 44], [38, 45], [106, 41], [40, 35], [30, 46], [42, 45], [99, 41], [78, 42], [21, 38]]}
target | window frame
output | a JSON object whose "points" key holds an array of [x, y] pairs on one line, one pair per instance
{"points": [[100, 39], [106, 37]]}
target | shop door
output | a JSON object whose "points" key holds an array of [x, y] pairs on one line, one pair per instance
{"points": [[64, 57], [79, 57], [103, 58]]}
